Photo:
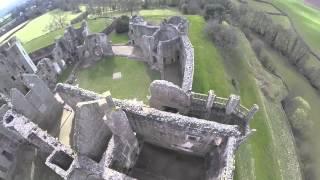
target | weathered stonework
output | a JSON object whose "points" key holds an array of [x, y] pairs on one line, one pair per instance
{"points": [[166, 48], [38, 104], [14, 61], [78, 44], [180, 133], [116, 139]]}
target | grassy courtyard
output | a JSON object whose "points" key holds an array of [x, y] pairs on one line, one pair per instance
{"points": [[134, 83], [116, 38]]}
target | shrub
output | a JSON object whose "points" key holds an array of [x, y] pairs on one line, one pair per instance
{"points": [[257, 46], [122, 24], [222, 34], [298, 110], [266, 63], [214, 11], [191, 7], [184, 8]]}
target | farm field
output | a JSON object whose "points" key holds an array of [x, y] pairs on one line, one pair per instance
{"points": [[305, 19]]}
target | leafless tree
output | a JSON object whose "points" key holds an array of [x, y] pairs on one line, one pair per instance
{"points": [[58, 21]]}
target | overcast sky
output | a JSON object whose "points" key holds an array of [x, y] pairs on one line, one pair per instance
{"points": [[7, 3]]}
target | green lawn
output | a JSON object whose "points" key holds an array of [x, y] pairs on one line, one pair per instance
{"points": [[305, 18], [209, 70], [135, 81], [157, 15], [116, 38], [37, 27], [95, 25]]}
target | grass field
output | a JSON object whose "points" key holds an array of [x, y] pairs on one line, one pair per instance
{"points": [[305, 18], [157, 15], [95, 25], [37, 27], [135, 81], [119, 38], [209, 71]]}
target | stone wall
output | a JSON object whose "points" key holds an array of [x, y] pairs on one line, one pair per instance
{"points": [[91, 134], [38, 104], [95, 47], [165, 46], [39, 54], [9, 142], [216, 141], [61, 159], [14, 61], [187, 64]]}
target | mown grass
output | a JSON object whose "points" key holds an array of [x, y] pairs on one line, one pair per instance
{"points": [[119, 38], [134, 84], [155, 16], [305, 18], [37, 27], [209, 70], [95, 25]]}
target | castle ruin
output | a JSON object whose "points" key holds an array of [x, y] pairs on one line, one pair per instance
{"points": [[180, 135]]}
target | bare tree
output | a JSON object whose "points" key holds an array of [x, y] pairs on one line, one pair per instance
{"points": [[58, 21]]}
